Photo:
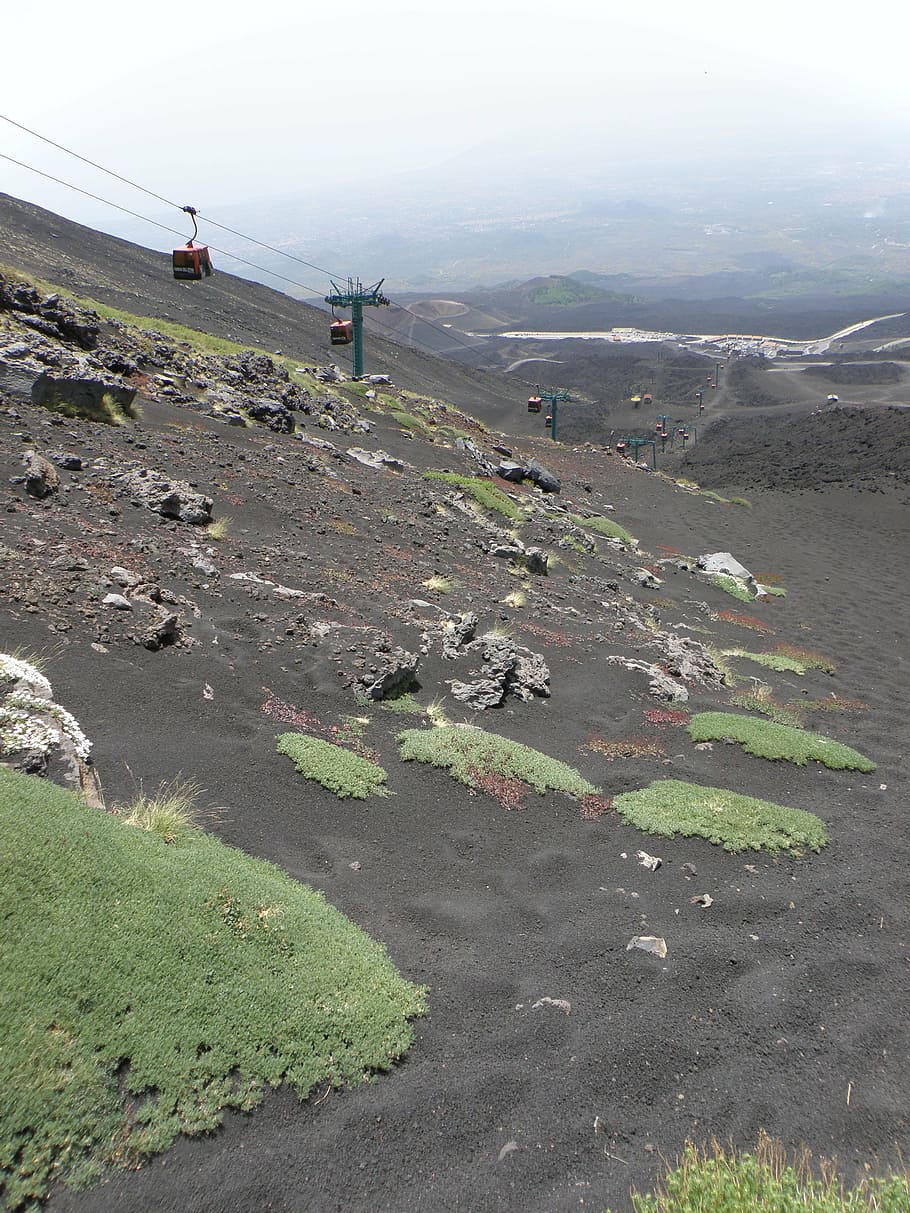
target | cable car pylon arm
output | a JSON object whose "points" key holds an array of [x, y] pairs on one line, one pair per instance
{"points": [[356, 296]]}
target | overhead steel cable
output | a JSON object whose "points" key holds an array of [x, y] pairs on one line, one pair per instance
{"points": [[145, 219], [222, 227], [167, 201], [447, 333], [88, 194]]}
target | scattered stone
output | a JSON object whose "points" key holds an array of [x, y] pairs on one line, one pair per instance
{"points": [[723, 562], [376, 459], [661, 684], [41, 477], [68, 461], [545, 480], [508, 469], [702, 899], [164, 630], [651, 862], [117, 601], [170, 498], [123, 577], [507, 669], [646, 579], [395, 673], [561, 1004], [652, 944]]}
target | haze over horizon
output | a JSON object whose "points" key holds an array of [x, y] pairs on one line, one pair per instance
{"points": [[366, 117]]}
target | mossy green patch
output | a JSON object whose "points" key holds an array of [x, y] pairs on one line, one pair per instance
{"points": [[484, 492], [337, 770], [603, 526], [765, 739], [467, 752], [772, 661], [670, 807], [148, 987], [734, 586]]}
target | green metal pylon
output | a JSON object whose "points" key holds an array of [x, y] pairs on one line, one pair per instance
{"points": [[355, 297], [554, 396]]}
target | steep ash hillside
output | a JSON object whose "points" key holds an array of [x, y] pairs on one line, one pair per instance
{"points": [[239, 544]]}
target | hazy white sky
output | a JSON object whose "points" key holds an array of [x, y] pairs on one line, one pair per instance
{"points": [[212, 104]]}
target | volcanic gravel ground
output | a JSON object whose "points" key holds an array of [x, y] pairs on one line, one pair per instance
{"points": [[784, 1006]]}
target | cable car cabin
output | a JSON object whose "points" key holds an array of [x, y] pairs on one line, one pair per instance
{"points": [[534, 403], [192, 262], [341, 332]]}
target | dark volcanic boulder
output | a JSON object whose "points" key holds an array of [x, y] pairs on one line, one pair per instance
{"points": [[544, 479], [510, 470], [83, 396], [275, 416]]}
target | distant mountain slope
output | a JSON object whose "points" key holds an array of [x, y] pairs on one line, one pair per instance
{"points": [[94, 265]]}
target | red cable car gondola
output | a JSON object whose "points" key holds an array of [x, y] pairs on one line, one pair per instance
{"points": [[534, 404], [341, 332], [191, 261]]}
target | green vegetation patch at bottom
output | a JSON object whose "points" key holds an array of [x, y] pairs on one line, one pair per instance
{"points": [[603, 526], [338, 770], [669, 807], [734, 586], [467, 753], [765, 739], [483, 491], [147, 987], [773, 661], [717, 1181]]}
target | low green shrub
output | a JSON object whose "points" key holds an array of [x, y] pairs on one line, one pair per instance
{"points": [[603, 526], [408, 421], [731, 585], [467, 753], [765, 739], [670, 807], [714, 1180], [484, 492], [772, 661], [335, 768], [147, 988]]}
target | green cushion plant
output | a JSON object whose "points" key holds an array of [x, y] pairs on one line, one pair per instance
{"points": [[467, 752], [765, 739], [152, 981], [338, 770], [670, 807]]}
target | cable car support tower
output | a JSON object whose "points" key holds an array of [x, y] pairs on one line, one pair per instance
{"points": [[356, 296]]}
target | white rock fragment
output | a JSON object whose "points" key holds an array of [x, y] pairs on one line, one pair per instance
{"points": [[648, 943], [561, 1004]]}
